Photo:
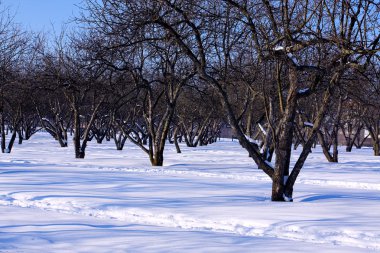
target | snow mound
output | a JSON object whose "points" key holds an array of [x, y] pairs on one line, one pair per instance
{"points": [[254, 228]]}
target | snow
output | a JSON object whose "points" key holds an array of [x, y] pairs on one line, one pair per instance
{"points": [[269, 163], [303, 91], [279, 48], [262, 129], [287, 199], [290, 55], [206, 199], [293, 58], [252, 140], [309, 124]]}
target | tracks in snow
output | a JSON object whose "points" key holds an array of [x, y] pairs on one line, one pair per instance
{"points": [[240, 177], [305, 232]]}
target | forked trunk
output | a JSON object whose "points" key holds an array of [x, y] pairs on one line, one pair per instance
{"points": [[283, 147], [332, 158], [80, 154], [281, 170], [62, 142]]}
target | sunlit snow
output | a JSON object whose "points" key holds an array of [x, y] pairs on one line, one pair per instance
{"points": [[207, 199]]}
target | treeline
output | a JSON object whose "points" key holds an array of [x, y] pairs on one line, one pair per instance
{"points": [[283, 74]]}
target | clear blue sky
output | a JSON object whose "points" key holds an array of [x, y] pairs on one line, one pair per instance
{"points": [[42, 15]]}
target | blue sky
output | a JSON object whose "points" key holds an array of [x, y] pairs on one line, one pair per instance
{"points": [[42, 15]]}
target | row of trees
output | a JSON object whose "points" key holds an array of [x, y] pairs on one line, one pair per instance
{"points": [[282, 73], [69, 93]]}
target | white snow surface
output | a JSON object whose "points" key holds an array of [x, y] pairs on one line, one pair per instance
{"points": [[262, 129], [293, 58], [308, 124], [207, 199], [303, 90], [279, 48]]}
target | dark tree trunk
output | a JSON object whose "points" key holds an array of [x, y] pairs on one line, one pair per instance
{"points": [[62, 140], [11, 142], [80, 155], [335, 149], [376, 147], [374, 133], [77, 136], [20, 137], [326, 149], [2, 134], [350, 141], [178, 149], [157, 159], [285, 139], [119, 139]]}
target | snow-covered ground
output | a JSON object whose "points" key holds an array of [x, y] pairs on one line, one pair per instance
{"points": [[207, 199]]}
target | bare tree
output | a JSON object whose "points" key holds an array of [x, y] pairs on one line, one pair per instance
{"points": [[13, 44], [281, 31]]}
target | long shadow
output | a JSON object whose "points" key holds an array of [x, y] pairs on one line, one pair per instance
{"points": [[66, 224], [318, 197]]}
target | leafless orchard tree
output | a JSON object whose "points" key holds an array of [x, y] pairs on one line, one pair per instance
{"points": [[13, 47], [148, 71], [80, 83], [198, 116], [371, 117], [159, 70], [352, 124], [363, 108], [334, 35]]}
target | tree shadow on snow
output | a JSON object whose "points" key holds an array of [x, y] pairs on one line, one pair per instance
{"points": [[320, 197]]}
